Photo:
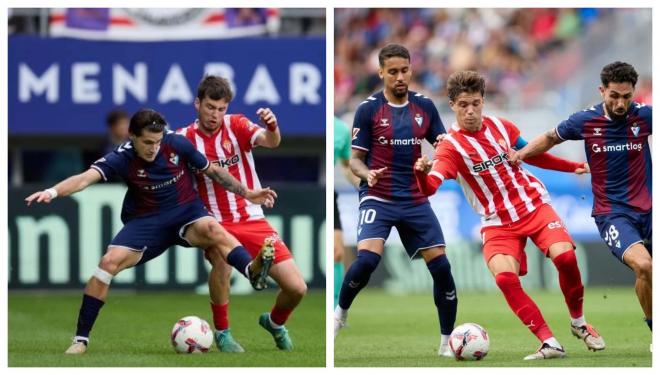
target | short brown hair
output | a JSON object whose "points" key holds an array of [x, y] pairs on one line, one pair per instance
{"points": [[147, 119], [465, 81], [215, 88]]}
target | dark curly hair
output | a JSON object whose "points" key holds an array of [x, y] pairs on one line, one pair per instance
{"points": [[618, 72]]}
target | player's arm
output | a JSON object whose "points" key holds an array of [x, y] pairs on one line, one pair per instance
{"points": [[360, 169], [220, 175], [69, 186], [546, 160], [270, 138], [350, 177], [428, 183]]}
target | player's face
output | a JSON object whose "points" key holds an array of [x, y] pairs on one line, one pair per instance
{"points": [[147, 144], [467, 108], [617, 97], [210, 113], [396, 75]]}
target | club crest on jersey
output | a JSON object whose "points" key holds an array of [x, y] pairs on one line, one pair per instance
{"points": [[227, 145], [174, 159], [419, 119], [635, 129], [597, 131], [384, 122], [141, 173]]}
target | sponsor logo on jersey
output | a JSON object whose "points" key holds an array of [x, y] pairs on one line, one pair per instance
{"points": [[635, 129], [597, 131], [174, 159], [495, 160], [419, 119], [169, 182], [384, 122], [227, 162], [630, 146], [399, 142], [141, 173]]}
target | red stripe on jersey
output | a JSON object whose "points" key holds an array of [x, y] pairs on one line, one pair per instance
{"points": [[463, 170], [638, 195], [212, 155], [234, 169], [598, 166]]}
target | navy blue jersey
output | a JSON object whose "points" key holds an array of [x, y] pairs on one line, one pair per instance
{"points": [[158, 186], [619, 156], [392, 136]]}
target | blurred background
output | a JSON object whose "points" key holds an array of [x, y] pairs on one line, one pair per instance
{"points": [[541, 65], [76, 76]]}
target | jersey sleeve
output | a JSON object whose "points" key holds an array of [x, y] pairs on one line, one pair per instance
{"points": [[443, 168], [362, 128], [246, 131], [646, 113], [186, 149], [436, 127], [113, 163], [571, 128], [512, 131]]}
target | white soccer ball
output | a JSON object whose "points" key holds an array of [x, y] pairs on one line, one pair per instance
{"points": [[192, 334], [469, 342]]}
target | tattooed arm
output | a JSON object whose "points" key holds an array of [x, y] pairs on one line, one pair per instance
{"points": [[220, 175]]}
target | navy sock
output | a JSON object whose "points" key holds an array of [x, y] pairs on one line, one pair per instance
{"points": [[89, 310], [444, 292], [649, 322], [357, 277], [239, 258]]}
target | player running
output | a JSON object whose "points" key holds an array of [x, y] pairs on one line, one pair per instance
{"points": [[161, 209], [513, 205], [615, 134], [388, 131], [227, 141]]}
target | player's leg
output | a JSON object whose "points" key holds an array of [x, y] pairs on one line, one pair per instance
{"points": [[292, 290], [376, 221], [638, 258], [339, 250], [219, 285], [114, 261]]}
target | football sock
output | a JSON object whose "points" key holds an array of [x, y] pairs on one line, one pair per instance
{"points": [[522, 305], [339, 276], [553, 342], [220, 316], [444, 292], [239, 258], [279, 315], [578, 322], [650, 323], [89, 310], [444, 339], [570, 282], [341, 314], [357, 277]]}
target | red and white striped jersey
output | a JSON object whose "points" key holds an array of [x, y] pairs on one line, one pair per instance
{"points": [[231, 148], [499, 192]]}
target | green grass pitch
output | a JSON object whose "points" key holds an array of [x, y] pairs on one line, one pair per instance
{"points": [[402, 331], [133, 330]]}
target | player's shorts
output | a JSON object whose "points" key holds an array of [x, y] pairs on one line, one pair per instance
{"points": [[152, 235], [416, 223], [251, 234], [543, 226], [337, 218], [622, 230]]}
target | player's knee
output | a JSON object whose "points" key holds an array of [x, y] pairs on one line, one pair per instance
{"points": [[216, 234], [298, 289], [507, 280], [367, 261], [109, 264], [643, 269]]}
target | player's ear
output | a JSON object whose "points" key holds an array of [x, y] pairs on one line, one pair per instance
{"points": [[197, 104], [380, 73], [601, 89]]}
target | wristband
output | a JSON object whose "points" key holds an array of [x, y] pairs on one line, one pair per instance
{"points": [[52, 192]]}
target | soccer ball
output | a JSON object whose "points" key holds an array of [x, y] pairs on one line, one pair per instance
{"points": [[192, 335], [469, 342]]}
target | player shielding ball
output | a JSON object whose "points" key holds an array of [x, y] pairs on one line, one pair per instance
{"points": [[161, 209], [513, 205], [388, 131], [615, 134], [227, 140]]}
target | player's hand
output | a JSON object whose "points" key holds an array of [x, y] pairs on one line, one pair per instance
{"points": [[438, 139], [375, 175], [40, 196], [584, 169], [514, 157], [265, 197], [423, 164], [267, 117]]}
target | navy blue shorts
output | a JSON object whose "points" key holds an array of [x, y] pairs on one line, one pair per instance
{"points": [[417, 224], [620, 231], [154, 234]]}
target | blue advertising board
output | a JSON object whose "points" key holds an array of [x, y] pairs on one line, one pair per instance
{"points": [[61, 86]]}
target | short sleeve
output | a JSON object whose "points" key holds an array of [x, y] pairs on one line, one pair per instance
{"points": [[571, 128], [186, 149], [445, 165], [436, 127], [646, 112], [113, 163], [362, 128], [245, 130]]}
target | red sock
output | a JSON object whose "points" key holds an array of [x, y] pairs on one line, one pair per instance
{"points": [[220, 316], [279, 315], [522, 305], [570, 282]]}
